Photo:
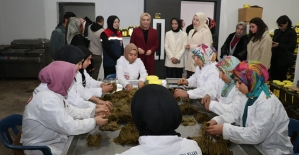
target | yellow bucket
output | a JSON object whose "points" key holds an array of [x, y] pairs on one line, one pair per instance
{"points": [[152, 77]]}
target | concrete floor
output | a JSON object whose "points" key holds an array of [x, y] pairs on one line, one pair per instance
{"points": [[14, 94]]}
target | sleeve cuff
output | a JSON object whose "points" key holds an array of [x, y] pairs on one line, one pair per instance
{"points": [[225, 130], [191, 94]]}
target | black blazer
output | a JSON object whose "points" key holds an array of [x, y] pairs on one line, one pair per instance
{"points": [[283, 53], [241, 47]]}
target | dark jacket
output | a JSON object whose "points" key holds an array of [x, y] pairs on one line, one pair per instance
{"points": [[80, 40], [240, 50], [57, 39], [287, 43]]}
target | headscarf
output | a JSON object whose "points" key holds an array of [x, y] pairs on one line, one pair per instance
{"points": [[141, 16], [155, 111], [245, 27], [179, 24], [110, 22], [128, 49], [202, 21], [72, 29], [253, 74], [227, 64], [58, 76], [86, 53], [69, 53], [207, 54]]}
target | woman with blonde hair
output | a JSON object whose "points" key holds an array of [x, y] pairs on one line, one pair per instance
{"points": [[146, 40], [201, 34]]}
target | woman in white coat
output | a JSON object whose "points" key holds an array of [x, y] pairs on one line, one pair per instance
{"points": [[157, 131], [96, 88], [201, 34], [262, 118], [175, 43], [225, 95], [130, 67], [205, 76], [48, 119]]}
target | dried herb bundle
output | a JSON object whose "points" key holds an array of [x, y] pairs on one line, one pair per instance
{"points": [[93, 140], [128, 135], [201, 117], [188, 109], [188, 121], [111, 126]]}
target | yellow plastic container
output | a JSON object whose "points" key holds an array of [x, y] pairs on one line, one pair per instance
{"points": [[275, 81], [157, 82], [276, 90], [152, 77]]}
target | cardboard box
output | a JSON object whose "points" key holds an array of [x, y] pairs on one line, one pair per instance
{"points": [[246, 14]]}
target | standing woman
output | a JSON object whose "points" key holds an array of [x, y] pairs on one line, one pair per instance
{"points": [[259, 46], [74, 32], [236, 43], [283, 46], [112, 44], [146, 40], [201, 34], [175, 43]]}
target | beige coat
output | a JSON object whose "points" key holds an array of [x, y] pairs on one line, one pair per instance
{"points": [[261, 50], [175, 47], [203, 36]]}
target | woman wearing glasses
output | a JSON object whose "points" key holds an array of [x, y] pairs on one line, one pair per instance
{"points": [[283, 46], [259, 46]]}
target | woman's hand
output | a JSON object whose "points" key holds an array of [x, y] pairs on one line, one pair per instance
{"points": [[174, 60], [215, 129], [106, 103], [149, 52], [107, 88], [140, 51], [205, 101], [100, 120], [275, 44], [129, 87], [188, 46], [183, 81], [140, 84], [180, 93]]}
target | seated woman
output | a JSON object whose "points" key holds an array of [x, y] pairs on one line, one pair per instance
{"points": [[157, 132], [263, 118], [96, 88], [220, 99], [236, 43], [129, 67], [77, 95], [48, 119], [206, 74]]}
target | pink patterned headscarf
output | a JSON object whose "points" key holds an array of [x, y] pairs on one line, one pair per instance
{"points": [[207, 54], [59, 76]]}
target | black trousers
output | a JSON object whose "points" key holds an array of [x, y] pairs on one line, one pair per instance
{"points": [[278, 72], [109, 70], [172, 72]]}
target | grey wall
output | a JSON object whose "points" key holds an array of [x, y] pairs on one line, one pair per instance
{"points": [[81, 9]]}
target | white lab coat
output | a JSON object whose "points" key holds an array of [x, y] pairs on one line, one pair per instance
{"points": [[126, 71], [92, 85], [204, 79], [48, 120], [220, 105], [78, 96], [266, 125], [168, 145]]}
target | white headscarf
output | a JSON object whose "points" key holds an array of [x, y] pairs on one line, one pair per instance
{"points": [[202, 21], [73, 28]]}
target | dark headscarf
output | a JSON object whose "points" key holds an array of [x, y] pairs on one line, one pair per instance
{"points": [[179, 24], [155, 111], [69, 53], [58, 76], [110, 22], [87, 53]]}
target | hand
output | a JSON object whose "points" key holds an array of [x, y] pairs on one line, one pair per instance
{"points": [[212, 122], [205, 99], [207, 106], [106, 103], [107, 88], [149, 52], [180, 93], [101, 108], [140, 84], [103, 84], [129, 87], [183, 81], [275, 44], [140, 51], [100, 120], [215, 129], [174, 60], [188, 46]]}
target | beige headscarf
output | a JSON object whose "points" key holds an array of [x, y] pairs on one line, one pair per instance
{"points": [[128, 49], [202, 21], [72, 29], [150, 18]]}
